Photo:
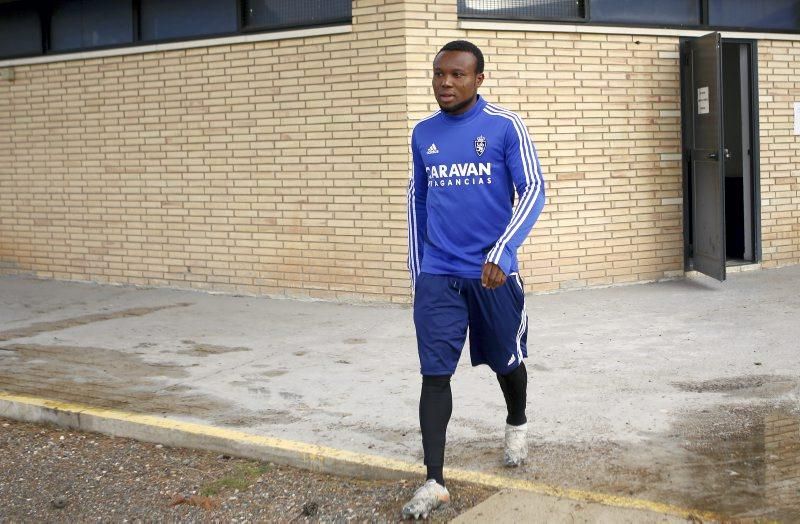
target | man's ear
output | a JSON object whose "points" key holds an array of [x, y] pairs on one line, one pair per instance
{"points": [[479, 79]]}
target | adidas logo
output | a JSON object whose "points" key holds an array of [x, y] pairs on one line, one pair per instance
{"points": [[511, 360], [432, 150]]}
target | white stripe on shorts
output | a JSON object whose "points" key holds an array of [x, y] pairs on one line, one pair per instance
{"points": [[523, 321]]}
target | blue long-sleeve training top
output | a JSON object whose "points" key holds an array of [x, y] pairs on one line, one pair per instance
{"points": [[465, 171]]}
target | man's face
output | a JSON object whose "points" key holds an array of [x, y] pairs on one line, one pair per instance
{"points": [[456, 81]]}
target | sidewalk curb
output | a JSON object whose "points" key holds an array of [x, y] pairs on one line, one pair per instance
{"points": [[174, 433]]}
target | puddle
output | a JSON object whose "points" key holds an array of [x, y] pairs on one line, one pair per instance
{"points": [[103, 378], [745, 461], [782, 460], [738, 460]]}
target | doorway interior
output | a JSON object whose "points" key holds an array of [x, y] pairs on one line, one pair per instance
{"points": [[738, 90]]}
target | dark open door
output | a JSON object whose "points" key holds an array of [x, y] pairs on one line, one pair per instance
{"points": [[707, 157]]}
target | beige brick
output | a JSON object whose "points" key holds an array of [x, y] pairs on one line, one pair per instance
{"points": [[280, 167]]}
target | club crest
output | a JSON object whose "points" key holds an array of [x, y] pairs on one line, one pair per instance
{"points": [[480, 145]]}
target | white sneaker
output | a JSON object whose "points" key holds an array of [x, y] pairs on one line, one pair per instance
{"points": [[516, 445], [426, 499]]}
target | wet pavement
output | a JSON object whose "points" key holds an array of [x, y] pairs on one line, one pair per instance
{"points": [[682, 392]]}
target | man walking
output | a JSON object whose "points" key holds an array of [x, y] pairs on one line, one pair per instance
{"points": [[469, 160]]}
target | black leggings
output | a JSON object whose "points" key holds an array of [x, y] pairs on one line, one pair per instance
{"points": [[436, 406], [515, 387]]}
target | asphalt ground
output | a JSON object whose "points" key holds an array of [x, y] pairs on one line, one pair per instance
{"points": [[673, 395]]}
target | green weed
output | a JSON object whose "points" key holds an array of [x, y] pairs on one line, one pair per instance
{"points": [[242, 476]]}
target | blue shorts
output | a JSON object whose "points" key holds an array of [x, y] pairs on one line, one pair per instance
{"points": [[445, 306]]}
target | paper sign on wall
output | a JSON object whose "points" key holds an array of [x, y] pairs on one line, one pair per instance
{"points": [[702, 100], [797, 118]]}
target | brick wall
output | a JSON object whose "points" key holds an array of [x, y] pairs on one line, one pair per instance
{"points": [[280, 167], [778, 90], [272, 168], [604, 113]]}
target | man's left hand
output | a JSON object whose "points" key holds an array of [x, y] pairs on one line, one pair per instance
{"points": [[492, 277]]}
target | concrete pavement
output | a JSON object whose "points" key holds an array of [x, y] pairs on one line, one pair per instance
{"points": [[640, 391]]}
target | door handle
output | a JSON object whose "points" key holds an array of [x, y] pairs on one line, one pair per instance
{"points": [[713, 156], [727, 153]]}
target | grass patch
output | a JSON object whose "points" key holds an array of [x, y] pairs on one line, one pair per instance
{"points": [[242, 476]]}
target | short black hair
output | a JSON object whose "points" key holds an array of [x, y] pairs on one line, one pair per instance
{"points": [[469, 47]]}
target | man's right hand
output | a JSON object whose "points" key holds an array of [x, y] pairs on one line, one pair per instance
{"points": [[492, 277]]}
